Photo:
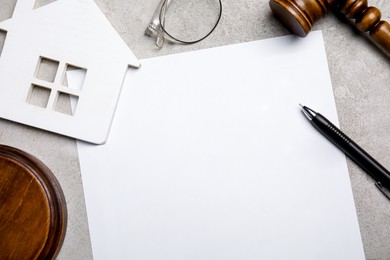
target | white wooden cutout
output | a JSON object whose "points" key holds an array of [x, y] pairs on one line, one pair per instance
{"points": [[70, 33]]}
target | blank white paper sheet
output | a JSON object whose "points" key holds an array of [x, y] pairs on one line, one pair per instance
{"points": [[210, 157]]}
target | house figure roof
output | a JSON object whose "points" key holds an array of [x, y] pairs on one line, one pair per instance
{"points": [[64, 35]]}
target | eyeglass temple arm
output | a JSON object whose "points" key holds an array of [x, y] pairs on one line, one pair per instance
{"points": [[154, 28]]}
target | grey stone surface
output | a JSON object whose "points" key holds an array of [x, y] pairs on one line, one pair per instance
{"points": [[360, 77]]}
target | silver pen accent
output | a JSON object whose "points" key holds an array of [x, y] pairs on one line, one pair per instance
{"points": [[357, 154], [309, 113]]}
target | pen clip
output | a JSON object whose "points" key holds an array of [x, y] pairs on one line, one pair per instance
{"points": [[385, 191]]}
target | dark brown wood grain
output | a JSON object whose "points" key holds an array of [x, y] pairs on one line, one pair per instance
{"points": [[32, 208], [300, 15]]}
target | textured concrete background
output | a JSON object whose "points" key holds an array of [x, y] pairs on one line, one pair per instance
{"points": [[361, 81]]}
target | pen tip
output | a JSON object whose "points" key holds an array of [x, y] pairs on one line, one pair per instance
{"points": [[301, 105], [308, 112]]}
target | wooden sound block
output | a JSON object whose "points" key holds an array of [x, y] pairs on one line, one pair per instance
{"points": [[33, 212]]}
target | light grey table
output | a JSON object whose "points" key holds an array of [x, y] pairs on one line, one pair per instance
{"points": [[360, 77]]}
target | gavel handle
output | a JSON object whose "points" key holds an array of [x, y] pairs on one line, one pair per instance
{"points": [[300, 15], [366, 19], [380, 34]]}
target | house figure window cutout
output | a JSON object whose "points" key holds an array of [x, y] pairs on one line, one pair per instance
{"points": [[49, 81], [41, 46]]}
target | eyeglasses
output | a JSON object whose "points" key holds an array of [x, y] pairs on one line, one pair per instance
{"points": [[184, 21]]}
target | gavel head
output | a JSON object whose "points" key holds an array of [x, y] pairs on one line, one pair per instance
{"points": [[300, 15]]}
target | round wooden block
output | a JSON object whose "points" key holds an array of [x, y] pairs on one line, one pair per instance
{"points": [[32, 208]]}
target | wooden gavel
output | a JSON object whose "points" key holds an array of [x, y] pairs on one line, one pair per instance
{"points": [[300, 15]]}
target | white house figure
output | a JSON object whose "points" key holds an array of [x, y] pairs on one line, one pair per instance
{"points": [[66, 34]]}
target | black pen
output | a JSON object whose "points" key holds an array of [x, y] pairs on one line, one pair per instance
{"points": [[351, 149]]}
